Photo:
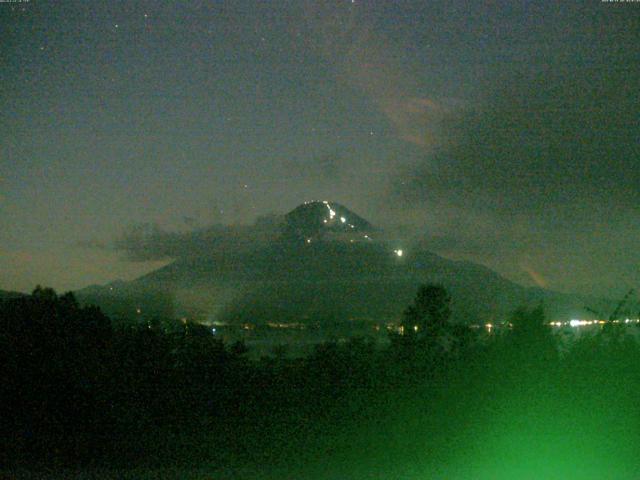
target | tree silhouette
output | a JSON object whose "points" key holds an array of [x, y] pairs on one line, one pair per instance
{"points": [[429, 314], [531, 337], [52, 365], [529, 323]]}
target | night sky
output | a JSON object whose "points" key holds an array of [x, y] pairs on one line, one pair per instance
{"points": [[506, 133]]}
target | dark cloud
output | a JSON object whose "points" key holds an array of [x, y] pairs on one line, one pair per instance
{"points": [[539, 177], [544, 142], [149, 241]]}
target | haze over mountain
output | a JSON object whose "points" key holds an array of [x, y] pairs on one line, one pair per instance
{"points": [[319, 263]]}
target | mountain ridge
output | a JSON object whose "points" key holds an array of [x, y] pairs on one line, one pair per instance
{"points": [[325, 261]]}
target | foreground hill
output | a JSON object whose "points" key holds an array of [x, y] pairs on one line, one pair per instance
{"points": [[5, 294]]}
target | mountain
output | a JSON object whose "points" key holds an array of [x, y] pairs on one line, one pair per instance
{"points": [[323, 263]]}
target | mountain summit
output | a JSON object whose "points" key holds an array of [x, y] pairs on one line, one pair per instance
{"points": [[318, 218]]}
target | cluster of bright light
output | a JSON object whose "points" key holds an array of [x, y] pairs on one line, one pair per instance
{"points": [[572, 323], [332, 214], [576, 323], [581, 323], [398, 252], [294, 325]]}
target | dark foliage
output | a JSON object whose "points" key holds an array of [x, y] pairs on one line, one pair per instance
{"points": [[76, 390]]}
